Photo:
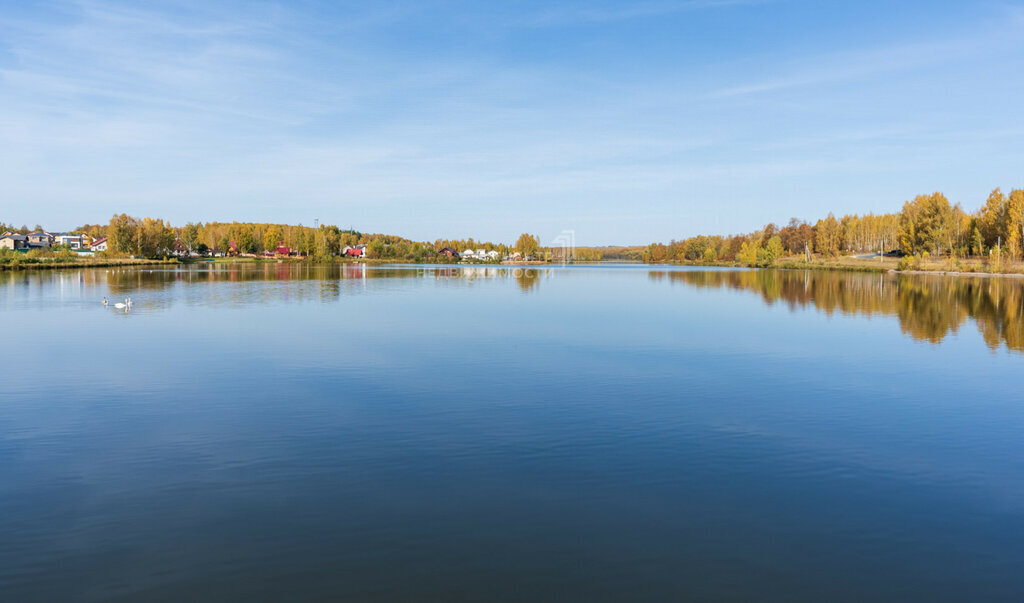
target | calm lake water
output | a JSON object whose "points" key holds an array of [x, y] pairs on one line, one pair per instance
{"points": [[287, 432]]}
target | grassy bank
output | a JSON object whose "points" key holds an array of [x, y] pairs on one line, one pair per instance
{"points": [[56, 263], [952, 266]]}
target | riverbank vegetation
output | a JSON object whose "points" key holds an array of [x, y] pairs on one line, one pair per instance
{"points": [[63, 257], [927, 233], [131, 237]]}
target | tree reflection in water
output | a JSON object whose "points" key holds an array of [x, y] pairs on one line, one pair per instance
{"points": [[929, 307]]}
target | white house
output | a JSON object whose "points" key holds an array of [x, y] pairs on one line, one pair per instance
{"points": [[71, 240], [479, 254], [99, 244]]}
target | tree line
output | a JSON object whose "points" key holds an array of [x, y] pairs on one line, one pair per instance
{"points": [[926, 224], [150, 237]]}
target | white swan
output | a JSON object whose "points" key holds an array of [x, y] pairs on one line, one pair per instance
{"points": [[127, 304]]}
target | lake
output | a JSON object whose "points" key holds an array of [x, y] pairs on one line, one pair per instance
{"points": [[595, 433]]}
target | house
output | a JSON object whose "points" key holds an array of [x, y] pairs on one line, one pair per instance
{"points": [[448, 251], [282, 250], [479, 254], [13, 241], [99, 244], [359, 251], [63, 238], [39, 239]]}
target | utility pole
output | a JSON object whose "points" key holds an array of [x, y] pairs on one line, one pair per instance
{"points": [[316, 233]]}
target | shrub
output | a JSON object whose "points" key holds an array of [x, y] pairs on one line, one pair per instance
{"points": [[910, 262]]}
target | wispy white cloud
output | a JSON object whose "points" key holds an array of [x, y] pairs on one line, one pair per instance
{"points": [[860, 64], [596, 13]]}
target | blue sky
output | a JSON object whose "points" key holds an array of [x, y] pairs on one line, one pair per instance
{"points": [[625, 122]]}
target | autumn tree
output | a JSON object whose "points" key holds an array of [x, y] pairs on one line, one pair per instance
{"points": [[122, 235], [992, 218], [926, 224], [156, 238], [375, 249], [748, 253], [828, 236], [190, 237], [272, 237], [527, 244], [1015, 223]]}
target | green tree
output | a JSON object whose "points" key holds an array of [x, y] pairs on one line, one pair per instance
{"points": [[977, 242], [773, 250]]}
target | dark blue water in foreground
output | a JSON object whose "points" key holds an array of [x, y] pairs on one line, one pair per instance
{"points": [[595, 433]]}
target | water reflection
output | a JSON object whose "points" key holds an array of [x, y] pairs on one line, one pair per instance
{"points": [[928, 307], [305, 282]]}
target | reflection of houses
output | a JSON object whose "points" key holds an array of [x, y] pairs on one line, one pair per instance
{"points": [[358, 251], [13, 241], [99, 244]]}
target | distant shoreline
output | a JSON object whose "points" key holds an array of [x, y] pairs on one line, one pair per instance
{"points": [[839, 265]]}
